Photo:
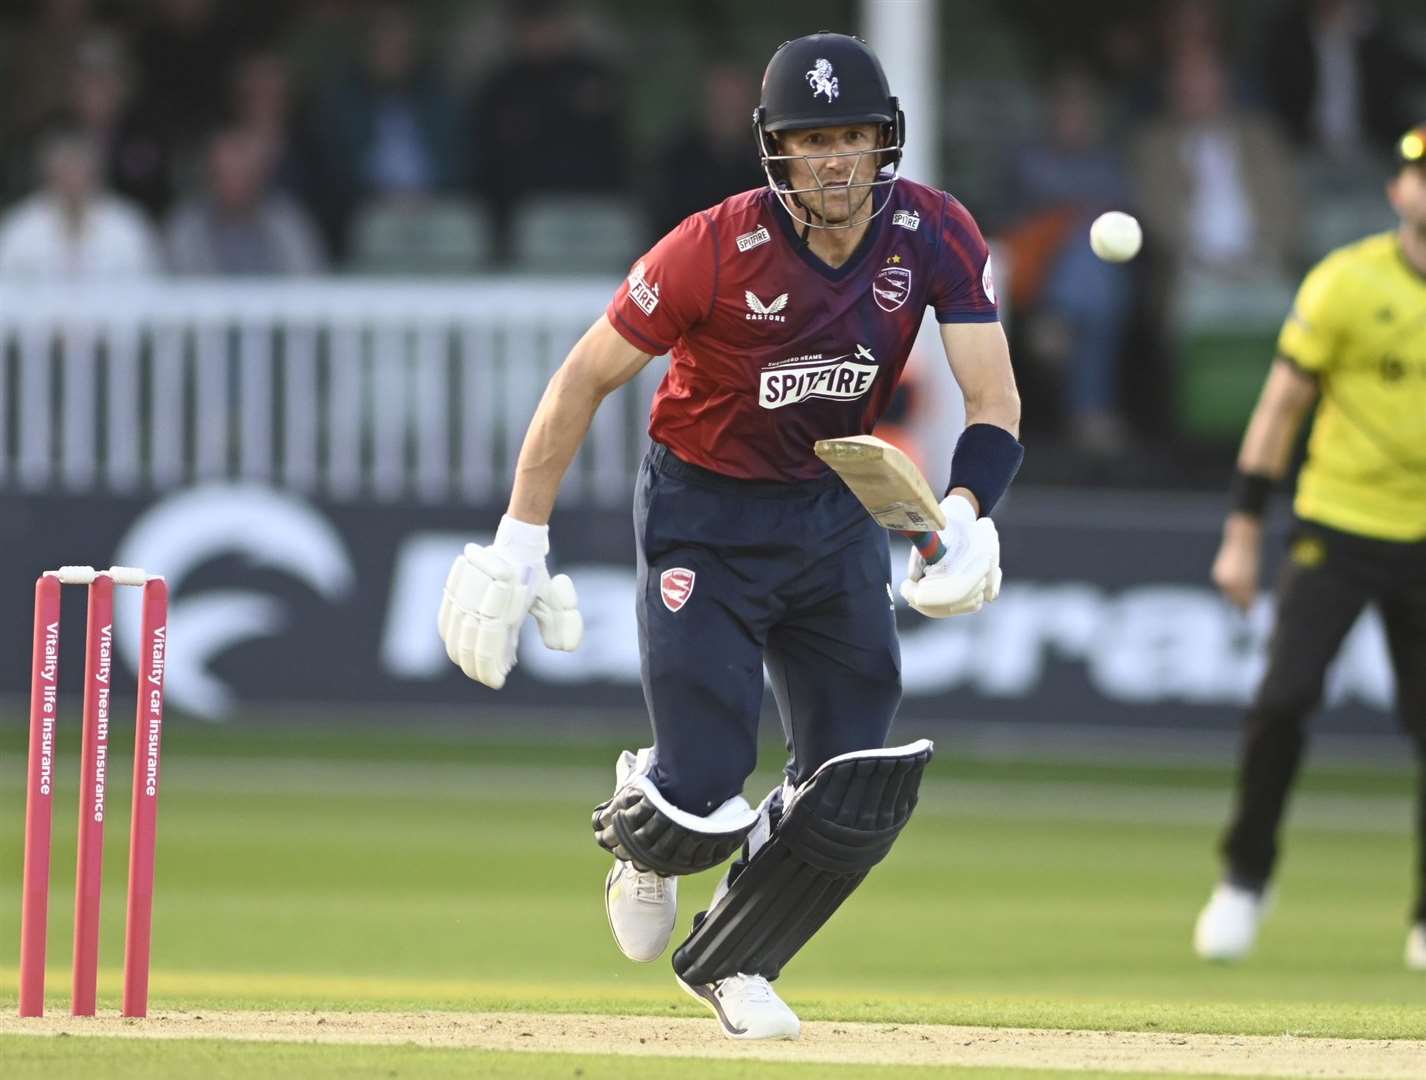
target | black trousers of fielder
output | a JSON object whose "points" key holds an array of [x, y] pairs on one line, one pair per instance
{"points": [[794, 578], [1329, 577]]}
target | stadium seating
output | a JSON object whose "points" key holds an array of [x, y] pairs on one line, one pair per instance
{"points": [[441, 236], [575, 234], [1226, 332]]}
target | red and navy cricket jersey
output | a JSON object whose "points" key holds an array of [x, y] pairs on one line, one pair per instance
{"points": [[770, 348]]}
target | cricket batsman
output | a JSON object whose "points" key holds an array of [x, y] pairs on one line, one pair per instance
{"points": [[1354, 346], [787, 313]]}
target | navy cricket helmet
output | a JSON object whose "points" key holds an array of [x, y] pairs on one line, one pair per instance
{"points": [[826, 80]]}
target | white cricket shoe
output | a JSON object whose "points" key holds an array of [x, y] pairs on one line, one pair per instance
{"points": [[747, 1007], [1416, 948], [642, 907], [1228, 924]]}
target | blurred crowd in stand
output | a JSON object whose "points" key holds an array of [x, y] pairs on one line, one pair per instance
{"points": [[1250, 139], [260, 137], [252, 138]]}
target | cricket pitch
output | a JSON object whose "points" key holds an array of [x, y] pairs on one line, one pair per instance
{"points": [[822, 1041]]}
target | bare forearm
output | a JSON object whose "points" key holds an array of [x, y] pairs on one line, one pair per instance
{"points": [[1272, 429], [553, 438], [1001, 408], [980, 361], [998, 408], [600, 362], [1263, 459], [1266, 451], [994, 407], [1267, 443]]}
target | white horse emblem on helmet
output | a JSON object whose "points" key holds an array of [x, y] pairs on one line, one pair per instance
{"points": [[821, 79]]}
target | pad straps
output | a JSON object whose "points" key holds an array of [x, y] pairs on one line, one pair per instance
{"points": [[640, 826]]}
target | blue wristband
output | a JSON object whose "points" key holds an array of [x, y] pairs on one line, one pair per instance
{"points": [[987, 458]]}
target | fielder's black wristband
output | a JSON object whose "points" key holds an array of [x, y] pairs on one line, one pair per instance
{"points": [[1249, 492], [987, 458]]}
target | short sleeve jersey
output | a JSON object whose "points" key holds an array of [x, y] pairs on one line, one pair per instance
{"points": [[771, 349], [1359, 326]]}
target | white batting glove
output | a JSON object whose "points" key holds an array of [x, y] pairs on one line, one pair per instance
{"points": [[556, 612], [967, 577], [490, 590]]}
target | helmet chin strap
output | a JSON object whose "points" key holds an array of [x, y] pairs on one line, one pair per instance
{"points": [[807, 222]]}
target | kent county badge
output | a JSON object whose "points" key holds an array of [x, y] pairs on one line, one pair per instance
{"points": [[891, 287], [676, 586]]}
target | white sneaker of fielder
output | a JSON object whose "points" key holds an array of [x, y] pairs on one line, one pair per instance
{"points": [[642, 906], [1416, 948], [747, 1006], [1228, 924]]}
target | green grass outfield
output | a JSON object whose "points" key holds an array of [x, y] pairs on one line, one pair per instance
{"points": [[382, 869]]}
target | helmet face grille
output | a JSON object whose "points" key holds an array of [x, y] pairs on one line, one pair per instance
{"points": [[826, 80], [807, 205]]}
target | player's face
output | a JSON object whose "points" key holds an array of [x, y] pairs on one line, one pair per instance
{"points": [[1407, 192], [834, 199]]}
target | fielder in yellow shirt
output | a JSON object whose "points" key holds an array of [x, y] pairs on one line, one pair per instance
{"points": [[1355, 345]]}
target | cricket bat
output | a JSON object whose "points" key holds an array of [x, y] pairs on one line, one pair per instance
{"points": [[891, 488]]}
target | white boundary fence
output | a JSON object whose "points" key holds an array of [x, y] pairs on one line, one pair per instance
{"points": [[349, 390]]}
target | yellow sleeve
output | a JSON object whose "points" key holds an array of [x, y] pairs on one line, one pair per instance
{"points": [[1311, 334]]}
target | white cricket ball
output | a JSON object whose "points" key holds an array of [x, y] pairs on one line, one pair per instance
{"points": [[1116, 236]]}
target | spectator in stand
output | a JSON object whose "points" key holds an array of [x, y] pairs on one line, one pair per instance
{"points": [[1076, 307], [73, 229], [135, 156], [385, 129], [1190, 25], [184, 51], [38, 65], [1131, 44], [700, 167], [1338, 78], [261, 102], [1214, 183], [552, 85], [239, 225]]}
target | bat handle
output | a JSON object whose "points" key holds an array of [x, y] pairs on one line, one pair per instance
{"points": [[928, 544]]}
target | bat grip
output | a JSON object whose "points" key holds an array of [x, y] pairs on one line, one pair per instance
{"points": [[928, 544]]}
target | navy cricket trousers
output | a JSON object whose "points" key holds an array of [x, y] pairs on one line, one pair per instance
{"points": [[735, 575]]}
